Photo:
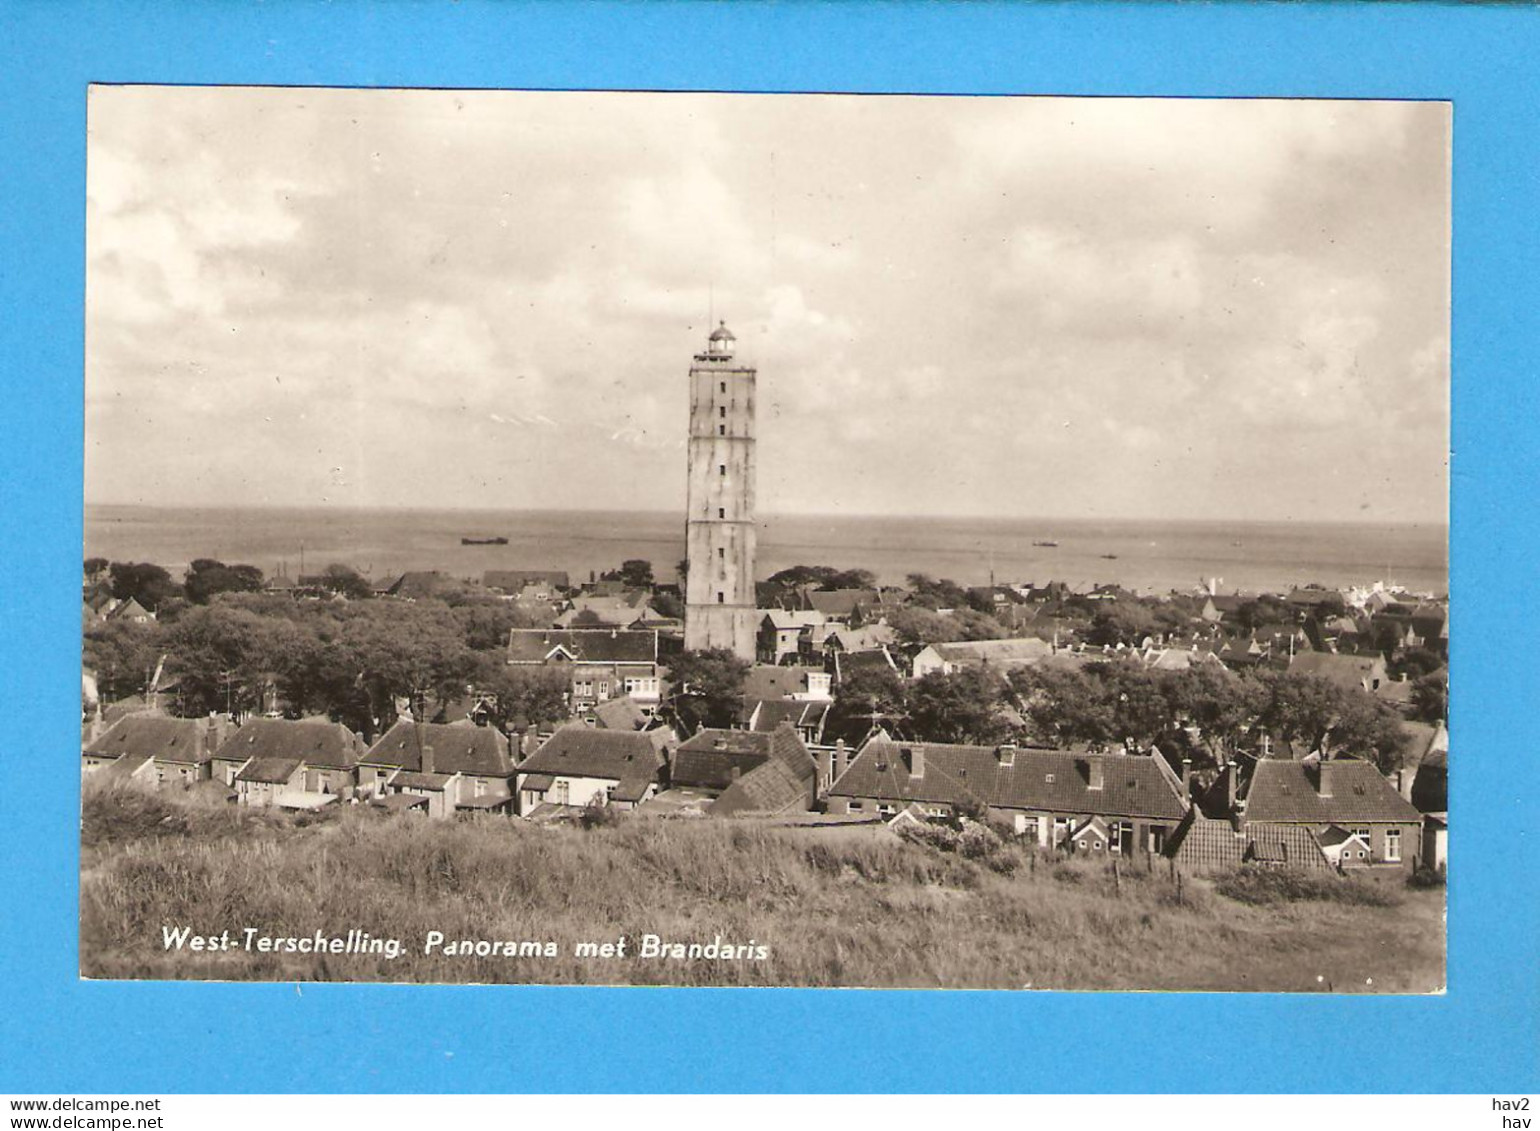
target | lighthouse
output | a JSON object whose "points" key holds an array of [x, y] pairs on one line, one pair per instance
{"points": [[719, 519]]}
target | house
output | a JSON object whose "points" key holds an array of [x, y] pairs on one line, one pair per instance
{"points": [[844, 606], [1343, 848], [581, 765], [178, 750], [847, 664], [604, 663], [130, 610], [769, 681], [329, 751], [622, 610], [866, 638], [414, 585], [1365, 672], [1048, 795], [1219, 610], [781, 632], [622, 713], [539, 584], [747, 772], [1318, 792], [453, 766], [806, 716], [273, 782], [999, 655]]}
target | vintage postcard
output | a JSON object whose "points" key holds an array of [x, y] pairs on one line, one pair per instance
{"points": [[765, 540]]}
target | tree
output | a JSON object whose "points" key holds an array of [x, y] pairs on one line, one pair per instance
{"points": [[668, 604], [1430, 698], [962, 706], [636, 573], [206, 577], [123, 656], [220, 657], [1415, 663], [1066, 705], [866, 698], [94, 566], [1222, 706], [587, 618], [1122, 622], [916, 624], [708, 687], [520, 697], [346, 581], [851, 579], [934, 594], [144, 582], [486, 624]]}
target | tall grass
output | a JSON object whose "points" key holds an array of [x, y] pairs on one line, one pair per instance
{"points": [[836, 908]]}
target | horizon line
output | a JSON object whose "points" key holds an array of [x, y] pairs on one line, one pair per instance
{"points": [[460, 509]]}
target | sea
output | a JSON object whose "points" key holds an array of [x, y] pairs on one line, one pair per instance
{"points": [[1145, 556]]}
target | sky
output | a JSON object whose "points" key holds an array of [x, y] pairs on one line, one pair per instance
{"points": [[1055, 307]]}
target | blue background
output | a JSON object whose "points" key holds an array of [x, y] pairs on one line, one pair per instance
{"points": [[60, 1034]]}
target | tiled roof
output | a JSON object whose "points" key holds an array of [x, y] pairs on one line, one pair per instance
{"points": [[767, 714], [538, 782], [1056, 781], [411, 779], [622, 713], [1285, 845], [626, 757], [767, 681], [707, 760], [155, 736], [323, 744], [457, 749], [1201, 843], [841, 602], [867, 638], [1345, 671], [783, 618], [269, 771], [513, 580], [1289, 792], [877, 659], [126, 766], [772, 787], [595, 645], [1024, 650]]}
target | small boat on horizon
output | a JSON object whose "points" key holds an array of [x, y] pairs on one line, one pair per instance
{"points": [[1046, 542], [1110, 557], [498, 541]]}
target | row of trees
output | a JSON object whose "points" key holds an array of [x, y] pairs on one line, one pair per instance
{"points": [[1223, 713], [352, 661]]}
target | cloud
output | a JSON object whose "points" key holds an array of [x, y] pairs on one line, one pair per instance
{"points": [[1000, 306]]}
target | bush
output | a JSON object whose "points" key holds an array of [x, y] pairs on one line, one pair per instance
{"points": [[1267, 886], [977, 842], [940, 837], [1426, 877], [596, 815]]}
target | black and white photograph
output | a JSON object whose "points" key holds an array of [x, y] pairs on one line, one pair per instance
{"points": [[765, 540]]}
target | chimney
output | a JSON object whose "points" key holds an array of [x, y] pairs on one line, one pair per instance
{"points": [[1186, 777], [1232, 773], [1007, 754], [1326, 771], [427, 760], [1096, 772], [719, 742], [916, 761]]}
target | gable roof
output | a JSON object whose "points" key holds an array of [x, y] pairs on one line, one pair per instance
{"points": [[270, 771], [628, 758], [620, 713], [591, 645], [1058, 781], [156, 736], [786, 619], [774, 786], [767, 681], [1289, 792], [709, 759], [1014, 652], [840, 602], [1286, 845], [457, 749], [1345, 671], [323, 744], [513, 580], [764, 715]]}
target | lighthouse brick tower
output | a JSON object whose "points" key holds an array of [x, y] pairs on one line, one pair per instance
{"points": [[719, 517]]}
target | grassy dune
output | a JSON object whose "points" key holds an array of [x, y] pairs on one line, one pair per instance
{"points": [[851, 907]]}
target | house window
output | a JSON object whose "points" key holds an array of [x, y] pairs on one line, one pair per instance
{"points": [[721, 552], [721, 512], [481, 788], [721, 597], [1393, 845], [1366, 835], [721, 429], [722, 470], [722, 412], [724, 386], [604, 689]]}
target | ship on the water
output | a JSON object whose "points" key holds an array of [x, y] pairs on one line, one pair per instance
{"points": [[498, 541], [1047, 542]]}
